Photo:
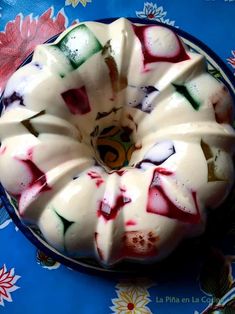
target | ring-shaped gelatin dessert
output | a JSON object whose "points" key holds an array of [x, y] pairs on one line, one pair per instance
{"points": [[115, 141]]}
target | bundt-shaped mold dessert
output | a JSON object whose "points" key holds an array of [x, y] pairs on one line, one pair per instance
{"points": [[115, 140]]}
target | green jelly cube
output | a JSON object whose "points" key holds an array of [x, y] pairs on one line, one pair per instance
{"points": [[79, 45]]}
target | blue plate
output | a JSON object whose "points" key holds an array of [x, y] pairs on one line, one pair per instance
{"points": [[195, 247]]}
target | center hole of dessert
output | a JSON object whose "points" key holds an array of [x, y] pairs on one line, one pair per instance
{"points": [[115, 146]]}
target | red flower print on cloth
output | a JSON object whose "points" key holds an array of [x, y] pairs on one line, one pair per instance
{"points": [[231, 60], [7, 284], [22, 35]]}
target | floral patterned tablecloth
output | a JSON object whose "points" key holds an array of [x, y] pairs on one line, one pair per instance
{"points": [[30, 281]]}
